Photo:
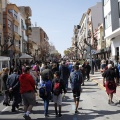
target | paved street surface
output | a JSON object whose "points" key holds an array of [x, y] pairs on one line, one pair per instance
{"points": [[93, 106]]}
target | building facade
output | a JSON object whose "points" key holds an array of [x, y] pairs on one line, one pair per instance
{"points": [[1, 26], [111, 11], [40, 37], [93, 21], [83, 48]]}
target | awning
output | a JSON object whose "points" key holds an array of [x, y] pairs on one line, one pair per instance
{"points": [[25, 56], [4, 58]]}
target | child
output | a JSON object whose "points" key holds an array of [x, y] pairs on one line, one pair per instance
{"points": [[57, 87]]}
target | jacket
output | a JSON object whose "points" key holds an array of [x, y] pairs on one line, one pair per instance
{"points": [[27, 83], [64, 72], [13, 82], [62, 85]]}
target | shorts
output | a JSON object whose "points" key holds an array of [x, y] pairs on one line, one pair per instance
{"points": [[28, 98], [76, 94], [57, 99]]}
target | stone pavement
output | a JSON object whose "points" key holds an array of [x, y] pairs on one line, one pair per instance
{"points": [[97, 78]]}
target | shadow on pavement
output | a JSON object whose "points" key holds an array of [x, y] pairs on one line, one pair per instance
{"points": [[96, 84], [90, 88], [1, 98], [91, 115], [86, 91]]}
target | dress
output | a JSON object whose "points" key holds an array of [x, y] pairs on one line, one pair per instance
{"points": [[110, 84]]}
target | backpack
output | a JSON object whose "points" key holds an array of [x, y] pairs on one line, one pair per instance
{"points": [[56, 88], [45, 89], [75, 81]]}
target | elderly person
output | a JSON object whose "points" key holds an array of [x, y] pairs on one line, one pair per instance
{"points": [[110, 82]]}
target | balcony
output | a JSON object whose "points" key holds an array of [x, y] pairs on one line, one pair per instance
{"points": [[28, 22], [16, 36], [15, 22], [13, 7], [28, 32], [28, 11]]}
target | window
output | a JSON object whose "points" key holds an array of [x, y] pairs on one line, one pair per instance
{"points": [[16, 43], [4, 23], [16, 28], [15, 15], [22, 25], [107, 20], [9, 24], [22, 35], [105, 1], [10, 12]]}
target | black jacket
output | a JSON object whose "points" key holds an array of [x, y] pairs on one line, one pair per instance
{"points": [[62, 85], [13, 82]]}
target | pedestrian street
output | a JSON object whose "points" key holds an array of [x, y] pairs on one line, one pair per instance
{"points": [[93, 106]]}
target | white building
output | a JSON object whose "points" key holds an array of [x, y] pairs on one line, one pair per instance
{"points": [[83, 48], [111, 10], [23, 35]]}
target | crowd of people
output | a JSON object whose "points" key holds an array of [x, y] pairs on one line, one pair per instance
{"points": [[50, 80]]}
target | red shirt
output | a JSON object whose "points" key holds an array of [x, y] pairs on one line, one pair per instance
{"points": [[27, 83]]}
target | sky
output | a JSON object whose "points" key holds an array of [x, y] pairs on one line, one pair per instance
{"points": [[57, 18]]}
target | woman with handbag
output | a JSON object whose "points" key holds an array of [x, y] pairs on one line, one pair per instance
{"points": [[110, 82]]}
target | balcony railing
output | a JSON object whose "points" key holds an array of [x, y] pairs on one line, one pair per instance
{"points": [[28, 22], [28, 32], [16, 36]]}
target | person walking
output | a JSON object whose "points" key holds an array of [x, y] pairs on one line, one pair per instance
{"points": [[76, 81], [110, 83], [45, 90], [57, 87], [13, 86], [82, 70], [88, 69], [6, 92], [64, 73], [27, 90]]}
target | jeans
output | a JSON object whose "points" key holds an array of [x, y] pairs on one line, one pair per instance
{"points": [[66, 83], [6, 95], [46, 103]]}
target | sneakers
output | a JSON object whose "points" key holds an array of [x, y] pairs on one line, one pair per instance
{"points": [[110, 102], [60, 115], [13, 110], [46, 116], [57, 115], [27, 117], [76, 111]]}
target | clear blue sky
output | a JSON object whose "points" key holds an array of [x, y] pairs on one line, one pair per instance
{"points": [[57, 18]]}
